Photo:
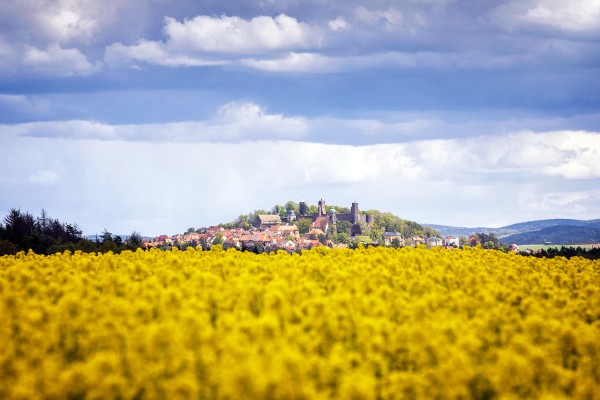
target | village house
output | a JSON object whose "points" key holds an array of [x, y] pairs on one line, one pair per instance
{"points": [[264, 221], [314, 234], [417, 240], [321, 222], [285, 230], [451, 241], [211, 230], [389, 237], [434, 242]]}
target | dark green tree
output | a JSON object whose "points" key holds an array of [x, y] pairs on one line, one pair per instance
{"points": [[18, 228], [344, 227], [303, 225], [291, 205], [322, 238], [259, 248], [7, 247], [106, 236], [135, 241], [343, 237], [356, 230]]}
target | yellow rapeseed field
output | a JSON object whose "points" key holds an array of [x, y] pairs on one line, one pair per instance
{"points": [[372, 323]]}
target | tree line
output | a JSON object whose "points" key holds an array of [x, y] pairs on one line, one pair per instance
{"points": [[567, 252], [21, 231]]}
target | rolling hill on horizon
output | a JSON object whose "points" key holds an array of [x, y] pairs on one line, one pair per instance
{"points": [[556, 231]]}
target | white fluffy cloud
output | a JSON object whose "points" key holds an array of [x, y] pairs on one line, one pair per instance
{"points": [[283, 44], [56, 61], [338, 24], [206, 40], [157, 53], [573, 15], [68, 24], [553, 201], [566, 154], [235, 35]]}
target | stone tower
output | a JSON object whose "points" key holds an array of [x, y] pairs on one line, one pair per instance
{"points": [[355, 213], [322, 208]]}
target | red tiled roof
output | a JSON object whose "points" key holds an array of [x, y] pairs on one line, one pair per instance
{"points": [[320, 222]]}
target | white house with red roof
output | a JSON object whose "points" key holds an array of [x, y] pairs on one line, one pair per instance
{"points": [[451, 241]]}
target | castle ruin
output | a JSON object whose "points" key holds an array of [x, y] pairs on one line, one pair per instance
{"points": [[354, 217]]}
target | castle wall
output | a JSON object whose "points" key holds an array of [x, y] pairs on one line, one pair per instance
{"points": [[345, 217], [354, 217]]}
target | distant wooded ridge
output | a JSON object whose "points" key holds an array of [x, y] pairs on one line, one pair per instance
{"points": [[548, 231]]}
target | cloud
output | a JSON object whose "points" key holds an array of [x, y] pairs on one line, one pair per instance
{"points": [[569, 155], [297, 62], [53, 60], [436, 36], [235, 35], [157, 53], [241, 119], [389, 19], [316, 63], [571, 16], [560, 202], [206, 40], [338, 24], [287, 37], [67, 24], [461, 180], [56, 61], [234, 121], [284, 44], [245, 120]]}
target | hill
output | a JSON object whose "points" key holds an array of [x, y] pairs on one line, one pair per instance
{"points": [[446, 230], [557, 231], [559, 234]]}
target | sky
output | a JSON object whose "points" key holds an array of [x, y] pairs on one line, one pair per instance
{"points": [[157, 115]]}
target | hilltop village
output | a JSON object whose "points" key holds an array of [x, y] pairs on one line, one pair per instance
{"points": [[291, 231]]}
